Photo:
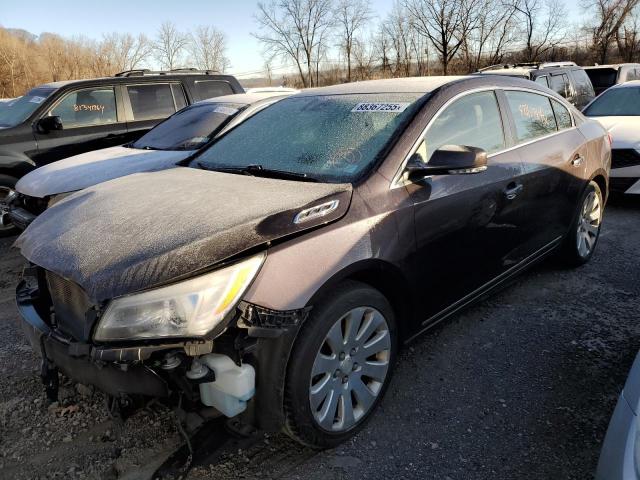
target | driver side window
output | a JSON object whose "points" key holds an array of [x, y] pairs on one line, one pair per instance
{"points": [[473, 121], [87, 107]]}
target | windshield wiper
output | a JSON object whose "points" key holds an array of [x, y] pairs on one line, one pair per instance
{"points": [[260, 171]]}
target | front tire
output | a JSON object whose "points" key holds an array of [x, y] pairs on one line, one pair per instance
{"points": [[7, 185], [340, 365], [583, 236]]}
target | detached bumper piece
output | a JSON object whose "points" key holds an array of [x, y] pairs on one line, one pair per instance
{"points": [[267, 323], [75, 360]]}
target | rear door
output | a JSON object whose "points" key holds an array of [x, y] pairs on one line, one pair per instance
{"points": [[553, 153], [467, 226], [92, 118], [147, 104]]}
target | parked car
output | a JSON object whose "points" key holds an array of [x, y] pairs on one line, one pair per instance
{"points": [[618, 110], [271, 90], [164, 146], [565, 78], [286, 265], [605, 76], [62, 119], [619, 456]]}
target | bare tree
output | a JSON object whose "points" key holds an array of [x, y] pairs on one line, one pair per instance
{"points": [[170, 45], [208, 46], [628, 38], [398, 30], [543, 26], [493, 29], [443, 23], [609, 17], [295, 29], [351, 17]]}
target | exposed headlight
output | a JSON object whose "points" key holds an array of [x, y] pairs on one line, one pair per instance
{"points": [[186, 309]]}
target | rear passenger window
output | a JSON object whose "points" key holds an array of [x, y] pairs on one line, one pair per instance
{"points": [[212, 88], [90, 106], [563, 117], [583, 84], [543, 81], [473, 121], [560, 85], [532, 115], [151, 101], [178, 96]]}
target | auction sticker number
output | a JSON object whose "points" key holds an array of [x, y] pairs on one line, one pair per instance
{"points": [[381, 107]]}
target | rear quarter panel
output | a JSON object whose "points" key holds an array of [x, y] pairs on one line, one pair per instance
{"points": [[598, 149]]}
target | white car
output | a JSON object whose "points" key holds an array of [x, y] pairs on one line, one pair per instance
{"points": [[164, 146], [618, 110]]}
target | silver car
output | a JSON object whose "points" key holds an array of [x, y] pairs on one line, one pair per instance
{"points": [[620, 456]]}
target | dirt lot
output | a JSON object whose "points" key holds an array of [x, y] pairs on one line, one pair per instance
{"points": [[518, 387]]}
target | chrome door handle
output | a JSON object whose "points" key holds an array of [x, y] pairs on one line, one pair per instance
{"points": [[577, 161]]}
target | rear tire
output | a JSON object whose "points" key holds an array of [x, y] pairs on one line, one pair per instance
{"points": [[580, 243], [340, 365], [7, 185]]}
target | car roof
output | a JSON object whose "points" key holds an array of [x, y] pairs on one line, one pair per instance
{"points": [[135, 79], [614, 66], [388, 85], [629, 84], [246, 98]]}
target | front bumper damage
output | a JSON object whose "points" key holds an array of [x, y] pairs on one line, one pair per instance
{"points": [[255, 336]]}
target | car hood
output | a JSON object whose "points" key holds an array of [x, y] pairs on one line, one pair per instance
{"points": [[82, 171], [625, 131], [147, 229]]}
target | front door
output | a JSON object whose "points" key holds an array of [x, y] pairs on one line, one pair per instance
{"points": [[467, 226], [90, 121]]}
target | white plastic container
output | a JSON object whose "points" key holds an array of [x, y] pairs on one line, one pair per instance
{"points": [[233, 386]]}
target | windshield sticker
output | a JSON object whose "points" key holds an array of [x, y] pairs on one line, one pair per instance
{"points": [[225, 110], [381, 107], [37, 99]]}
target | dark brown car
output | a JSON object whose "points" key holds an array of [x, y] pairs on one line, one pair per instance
{"points": [[277, 274]]}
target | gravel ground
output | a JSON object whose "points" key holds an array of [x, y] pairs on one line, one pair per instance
{"points": [[520, 386]]}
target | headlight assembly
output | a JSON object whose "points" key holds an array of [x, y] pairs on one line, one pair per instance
{"points": [[185, 309]]}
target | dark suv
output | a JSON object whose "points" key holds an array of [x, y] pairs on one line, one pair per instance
{"points": [[565, 78], [61, 119]]}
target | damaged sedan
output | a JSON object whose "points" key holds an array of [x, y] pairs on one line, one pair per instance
{"points": [[274, 278]]}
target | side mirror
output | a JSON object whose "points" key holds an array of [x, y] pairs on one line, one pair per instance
{"points": [[47, 124], [449, 160]]}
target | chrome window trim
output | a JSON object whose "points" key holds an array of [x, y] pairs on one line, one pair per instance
{"points": [[397, 178]]}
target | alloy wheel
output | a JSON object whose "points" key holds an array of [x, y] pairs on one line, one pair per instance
{"points": [[6, 195], [589, 224], [350, 369]]}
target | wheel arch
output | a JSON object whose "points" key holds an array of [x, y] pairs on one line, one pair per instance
{"points": [[601, 178], [15, 167], [385, 277]]}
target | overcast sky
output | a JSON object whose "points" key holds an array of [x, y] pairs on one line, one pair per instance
{"points": [[94, 18]]}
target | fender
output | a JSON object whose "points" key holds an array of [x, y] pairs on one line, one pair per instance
{"points": [[16, 166]]}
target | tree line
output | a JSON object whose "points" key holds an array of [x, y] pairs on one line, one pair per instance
{"points": [[27, 60], [433, 37], [332, 41]]}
